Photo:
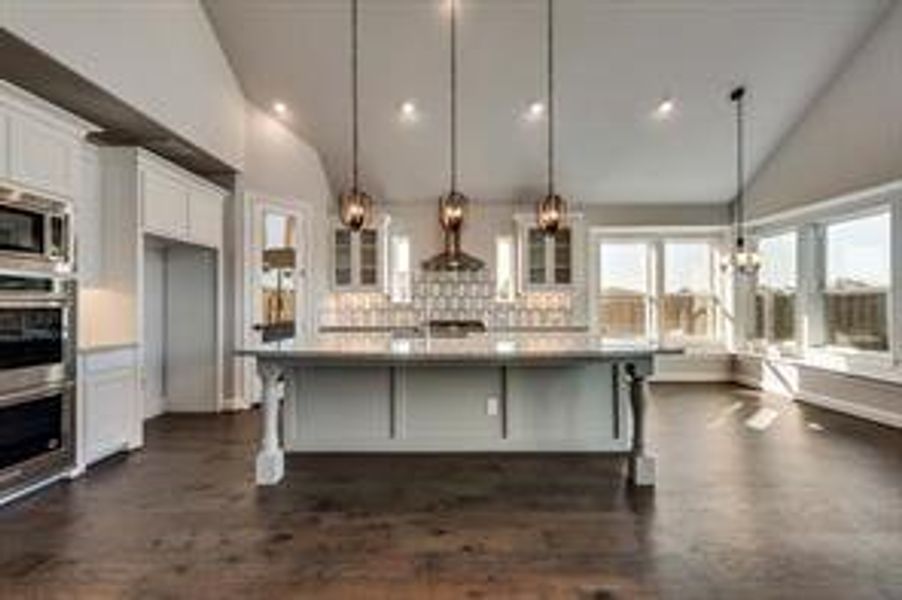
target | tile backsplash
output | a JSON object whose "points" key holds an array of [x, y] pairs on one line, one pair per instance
{"points": [[455, 296]]}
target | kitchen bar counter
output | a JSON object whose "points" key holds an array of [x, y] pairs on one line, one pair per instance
{"points": [[338, 349], [495, 392]]}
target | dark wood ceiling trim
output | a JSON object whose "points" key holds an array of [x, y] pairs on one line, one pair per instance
{"points": [[121, 125]]}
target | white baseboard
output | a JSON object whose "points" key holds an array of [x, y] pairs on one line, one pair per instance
{"points": [[234, 404], [856, 409], [698, 377]]}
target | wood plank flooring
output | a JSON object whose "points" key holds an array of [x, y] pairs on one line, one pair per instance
{"points": [[758, 498]]}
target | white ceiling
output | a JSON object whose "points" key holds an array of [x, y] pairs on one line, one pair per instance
{"points": [[616, 60]]}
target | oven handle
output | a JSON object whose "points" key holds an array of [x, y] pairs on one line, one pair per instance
{"points": [[29, 301], [28, 394]]}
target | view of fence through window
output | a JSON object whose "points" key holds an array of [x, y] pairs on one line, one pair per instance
{"points": [[687, 305], [625, 289], [775, 296], [633, 305], [856, 294]]}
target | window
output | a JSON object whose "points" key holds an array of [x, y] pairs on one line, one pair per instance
{"points": [[625, 274], [775, 295], [687, 304], [400, 269], [856, 294], [664, 290], [504, 268]]}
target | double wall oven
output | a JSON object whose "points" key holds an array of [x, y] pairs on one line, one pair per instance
{"points": [[37, 340]]}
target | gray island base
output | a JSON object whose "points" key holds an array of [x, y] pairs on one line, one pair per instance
{"points": [[562, 393]]}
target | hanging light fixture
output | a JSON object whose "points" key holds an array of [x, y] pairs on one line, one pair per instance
{"points": [[744, 260], [355, 205], [453, 205], [552, 210]]}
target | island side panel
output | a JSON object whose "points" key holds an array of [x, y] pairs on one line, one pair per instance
{"points": [[339, 408], [568, 408], [565, 407]]}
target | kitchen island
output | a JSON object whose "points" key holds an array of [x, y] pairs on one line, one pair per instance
{"points": [[482, 393]]}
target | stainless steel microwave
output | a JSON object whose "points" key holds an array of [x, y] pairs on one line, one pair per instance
{"points": [[35, 233]]}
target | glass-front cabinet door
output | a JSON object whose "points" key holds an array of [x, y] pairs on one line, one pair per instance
{"points": [[549, 257], [357, 258]]}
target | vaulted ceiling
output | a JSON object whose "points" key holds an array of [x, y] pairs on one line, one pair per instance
{"points": [[616, 61]]}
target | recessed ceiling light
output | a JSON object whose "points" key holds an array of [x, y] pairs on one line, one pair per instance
{"points": [[665, 109], [409, 110], [535, 111], [279, 108]]}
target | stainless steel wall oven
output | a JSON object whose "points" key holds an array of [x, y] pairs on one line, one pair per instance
{"points": [[37, 376]]}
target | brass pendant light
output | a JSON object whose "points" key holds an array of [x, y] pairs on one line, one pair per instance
{"points": [[552, 210], [355, 205], [453, 205], [743, 260]]}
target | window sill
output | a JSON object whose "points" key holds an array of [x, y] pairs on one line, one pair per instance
{"points": [[872, 366]]}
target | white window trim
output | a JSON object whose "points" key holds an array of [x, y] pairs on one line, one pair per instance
{"points": [[810, 222], [390, 269], [717, 236], [512, 250]]}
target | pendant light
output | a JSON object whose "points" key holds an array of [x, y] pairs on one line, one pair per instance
{"points": [[453, 205], [552, 210], [744, 260], [355, 205]]}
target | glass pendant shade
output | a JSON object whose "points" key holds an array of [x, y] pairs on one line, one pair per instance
{"points": [[451, 209], [551, 213], [743, 260], [355, 207]]}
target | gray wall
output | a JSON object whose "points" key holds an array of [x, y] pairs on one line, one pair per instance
{"points": [[851, 137]]}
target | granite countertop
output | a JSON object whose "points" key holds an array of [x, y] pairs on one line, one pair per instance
{"points": [[491, 348]]}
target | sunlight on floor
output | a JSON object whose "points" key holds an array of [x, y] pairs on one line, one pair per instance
{"points": [[724, 414], [762, 419]]}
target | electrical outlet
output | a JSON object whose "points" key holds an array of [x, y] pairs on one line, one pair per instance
{"points": [[491, 406]]}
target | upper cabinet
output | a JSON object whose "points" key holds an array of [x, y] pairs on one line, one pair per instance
{"points": [[40, 145], [176, 205], [358, 257], [550, 261], [42, 157]]}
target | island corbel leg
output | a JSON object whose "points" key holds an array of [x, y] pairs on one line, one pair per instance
{"points": [[271, 457], [642, 464]]}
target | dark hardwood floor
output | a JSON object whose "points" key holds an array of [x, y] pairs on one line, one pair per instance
{"points": [[758, 498]]}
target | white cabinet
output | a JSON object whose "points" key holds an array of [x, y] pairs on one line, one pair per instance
{"points": [[40, 144], [164, 203], [358, 257], [110, 412], [41, 156], [550, 261], [205, 215], [177, 206], [89, 222]]}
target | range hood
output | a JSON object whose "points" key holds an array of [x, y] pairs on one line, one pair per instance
{"points": [[452, 258]]}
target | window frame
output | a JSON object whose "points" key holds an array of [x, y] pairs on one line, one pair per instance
{"points": [[651, 308], [889, 208], [716, 237], [394, 298], [511, 241], [767, 342]]}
